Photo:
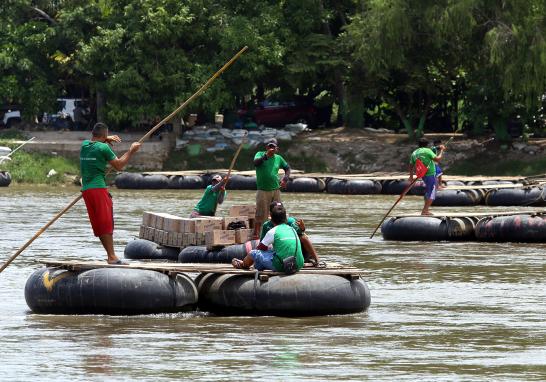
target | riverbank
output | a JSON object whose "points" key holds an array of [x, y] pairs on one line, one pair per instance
{"points": [[342, 150]]}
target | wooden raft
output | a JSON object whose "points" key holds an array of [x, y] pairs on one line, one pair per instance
{"points": [[171, 268]]}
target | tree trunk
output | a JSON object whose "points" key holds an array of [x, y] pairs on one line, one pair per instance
{"points": [[100, 106]]}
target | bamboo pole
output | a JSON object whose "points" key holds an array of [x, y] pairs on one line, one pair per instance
{"points": [[147, 135]]}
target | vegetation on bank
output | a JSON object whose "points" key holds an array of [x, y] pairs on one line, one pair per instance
{"points": [[26, 167], [473, 65], [496, 164]]}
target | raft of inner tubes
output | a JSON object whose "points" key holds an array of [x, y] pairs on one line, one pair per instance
{"points": [[294, 295], [525, 196], [5, 178], [114, 291], [126, 291], [140, 249], [526, 228]]}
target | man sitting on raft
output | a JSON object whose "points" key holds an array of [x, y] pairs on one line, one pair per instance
{"points": [[95, 154], [427, 156], [308, 251], [214, 195], [284, 242]]}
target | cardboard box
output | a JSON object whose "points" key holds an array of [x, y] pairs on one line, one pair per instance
{"points": [[219, 237], [203, 225], [173, 223], [141, 232], [146, 218], [243, 235], [251, 223], [200, 238], [188, 239], [231, 219], [243, 210]]}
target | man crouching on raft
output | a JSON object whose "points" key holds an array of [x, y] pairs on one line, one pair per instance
{"points": [[95, 154], [427, 156], [286, 248]]}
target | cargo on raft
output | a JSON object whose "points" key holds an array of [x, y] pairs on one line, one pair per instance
{"points": [[93, 287]]}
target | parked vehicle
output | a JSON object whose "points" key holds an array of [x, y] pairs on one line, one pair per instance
{"points": [[280, 113], [71, 113], [10, 116]]}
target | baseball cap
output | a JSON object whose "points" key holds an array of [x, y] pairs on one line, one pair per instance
{"points": [[217, 178], [272, 142]]}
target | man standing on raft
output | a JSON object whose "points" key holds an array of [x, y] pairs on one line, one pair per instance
{"points": [[428, 158], [267, 165], [95, 154]]}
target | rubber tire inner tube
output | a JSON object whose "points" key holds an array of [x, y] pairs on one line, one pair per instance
{"points": [[530, 196], [200, 254], [240, 182], [5, 178], [128, 180], [154, 182], [114, 291], [305, 184], [140, 249], [191, 182], [515, 228], [418, 228], [457, 198], [294, 295]]}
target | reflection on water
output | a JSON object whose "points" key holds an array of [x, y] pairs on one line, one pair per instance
{"points": [[440, 311]]}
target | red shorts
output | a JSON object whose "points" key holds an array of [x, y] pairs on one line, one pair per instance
{"points": [[100, 210]]}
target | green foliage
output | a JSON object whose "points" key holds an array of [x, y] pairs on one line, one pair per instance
{"points": [[33, 168]]}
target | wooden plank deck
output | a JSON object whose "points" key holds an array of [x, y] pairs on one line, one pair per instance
{"points": [[77, 265], [442, 215]]}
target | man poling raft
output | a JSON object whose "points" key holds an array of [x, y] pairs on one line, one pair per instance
{"points": [[428, 158], [146, 136], [95, 155], [214, 195]]}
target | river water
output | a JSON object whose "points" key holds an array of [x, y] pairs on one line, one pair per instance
{"points": [[439, 312]]}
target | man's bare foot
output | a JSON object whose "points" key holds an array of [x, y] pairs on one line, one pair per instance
{"points": [[427, 213]]}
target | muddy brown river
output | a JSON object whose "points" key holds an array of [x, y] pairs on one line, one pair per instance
{"points": [[439, 311]]}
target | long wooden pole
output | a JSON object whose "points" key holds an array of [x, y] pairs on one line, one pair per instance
{"points": [[232, 165], [408, 187], [147, 135]]}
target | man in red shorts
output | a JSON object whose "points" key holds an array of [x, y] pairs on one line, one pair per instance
{"points": [[95, 154]]}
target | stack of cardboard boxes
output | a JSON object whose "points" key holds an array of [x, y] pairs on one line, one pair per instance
{"points": [[175, 231]]}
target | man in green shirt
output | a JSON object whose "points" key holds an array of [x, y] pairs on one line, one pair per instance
{"points": [[95, 155], [308, 250], [428, 158], [214, 195], [284, 243], [267, 165]]}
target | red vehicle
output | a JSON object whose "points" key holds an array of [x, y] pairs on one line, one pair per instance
{"points": [[280, 113]]}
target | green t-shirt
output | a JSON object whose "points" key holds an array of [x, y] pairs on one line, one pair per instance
{"points": [[94, 157], [267, 178], [208, 203], [285, 243], [426, 156], [269, 224]]}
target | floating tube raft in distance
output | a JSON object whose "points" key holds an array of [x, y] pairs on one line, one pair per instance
{"points": [[305, 184], [396, 187], [294, 295], [240, 182], [458, 198], [514, 228], [140, 249], [353, 187], [428, 228], [199, 254], [5, 178], [530, 196], [108, 291]]}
